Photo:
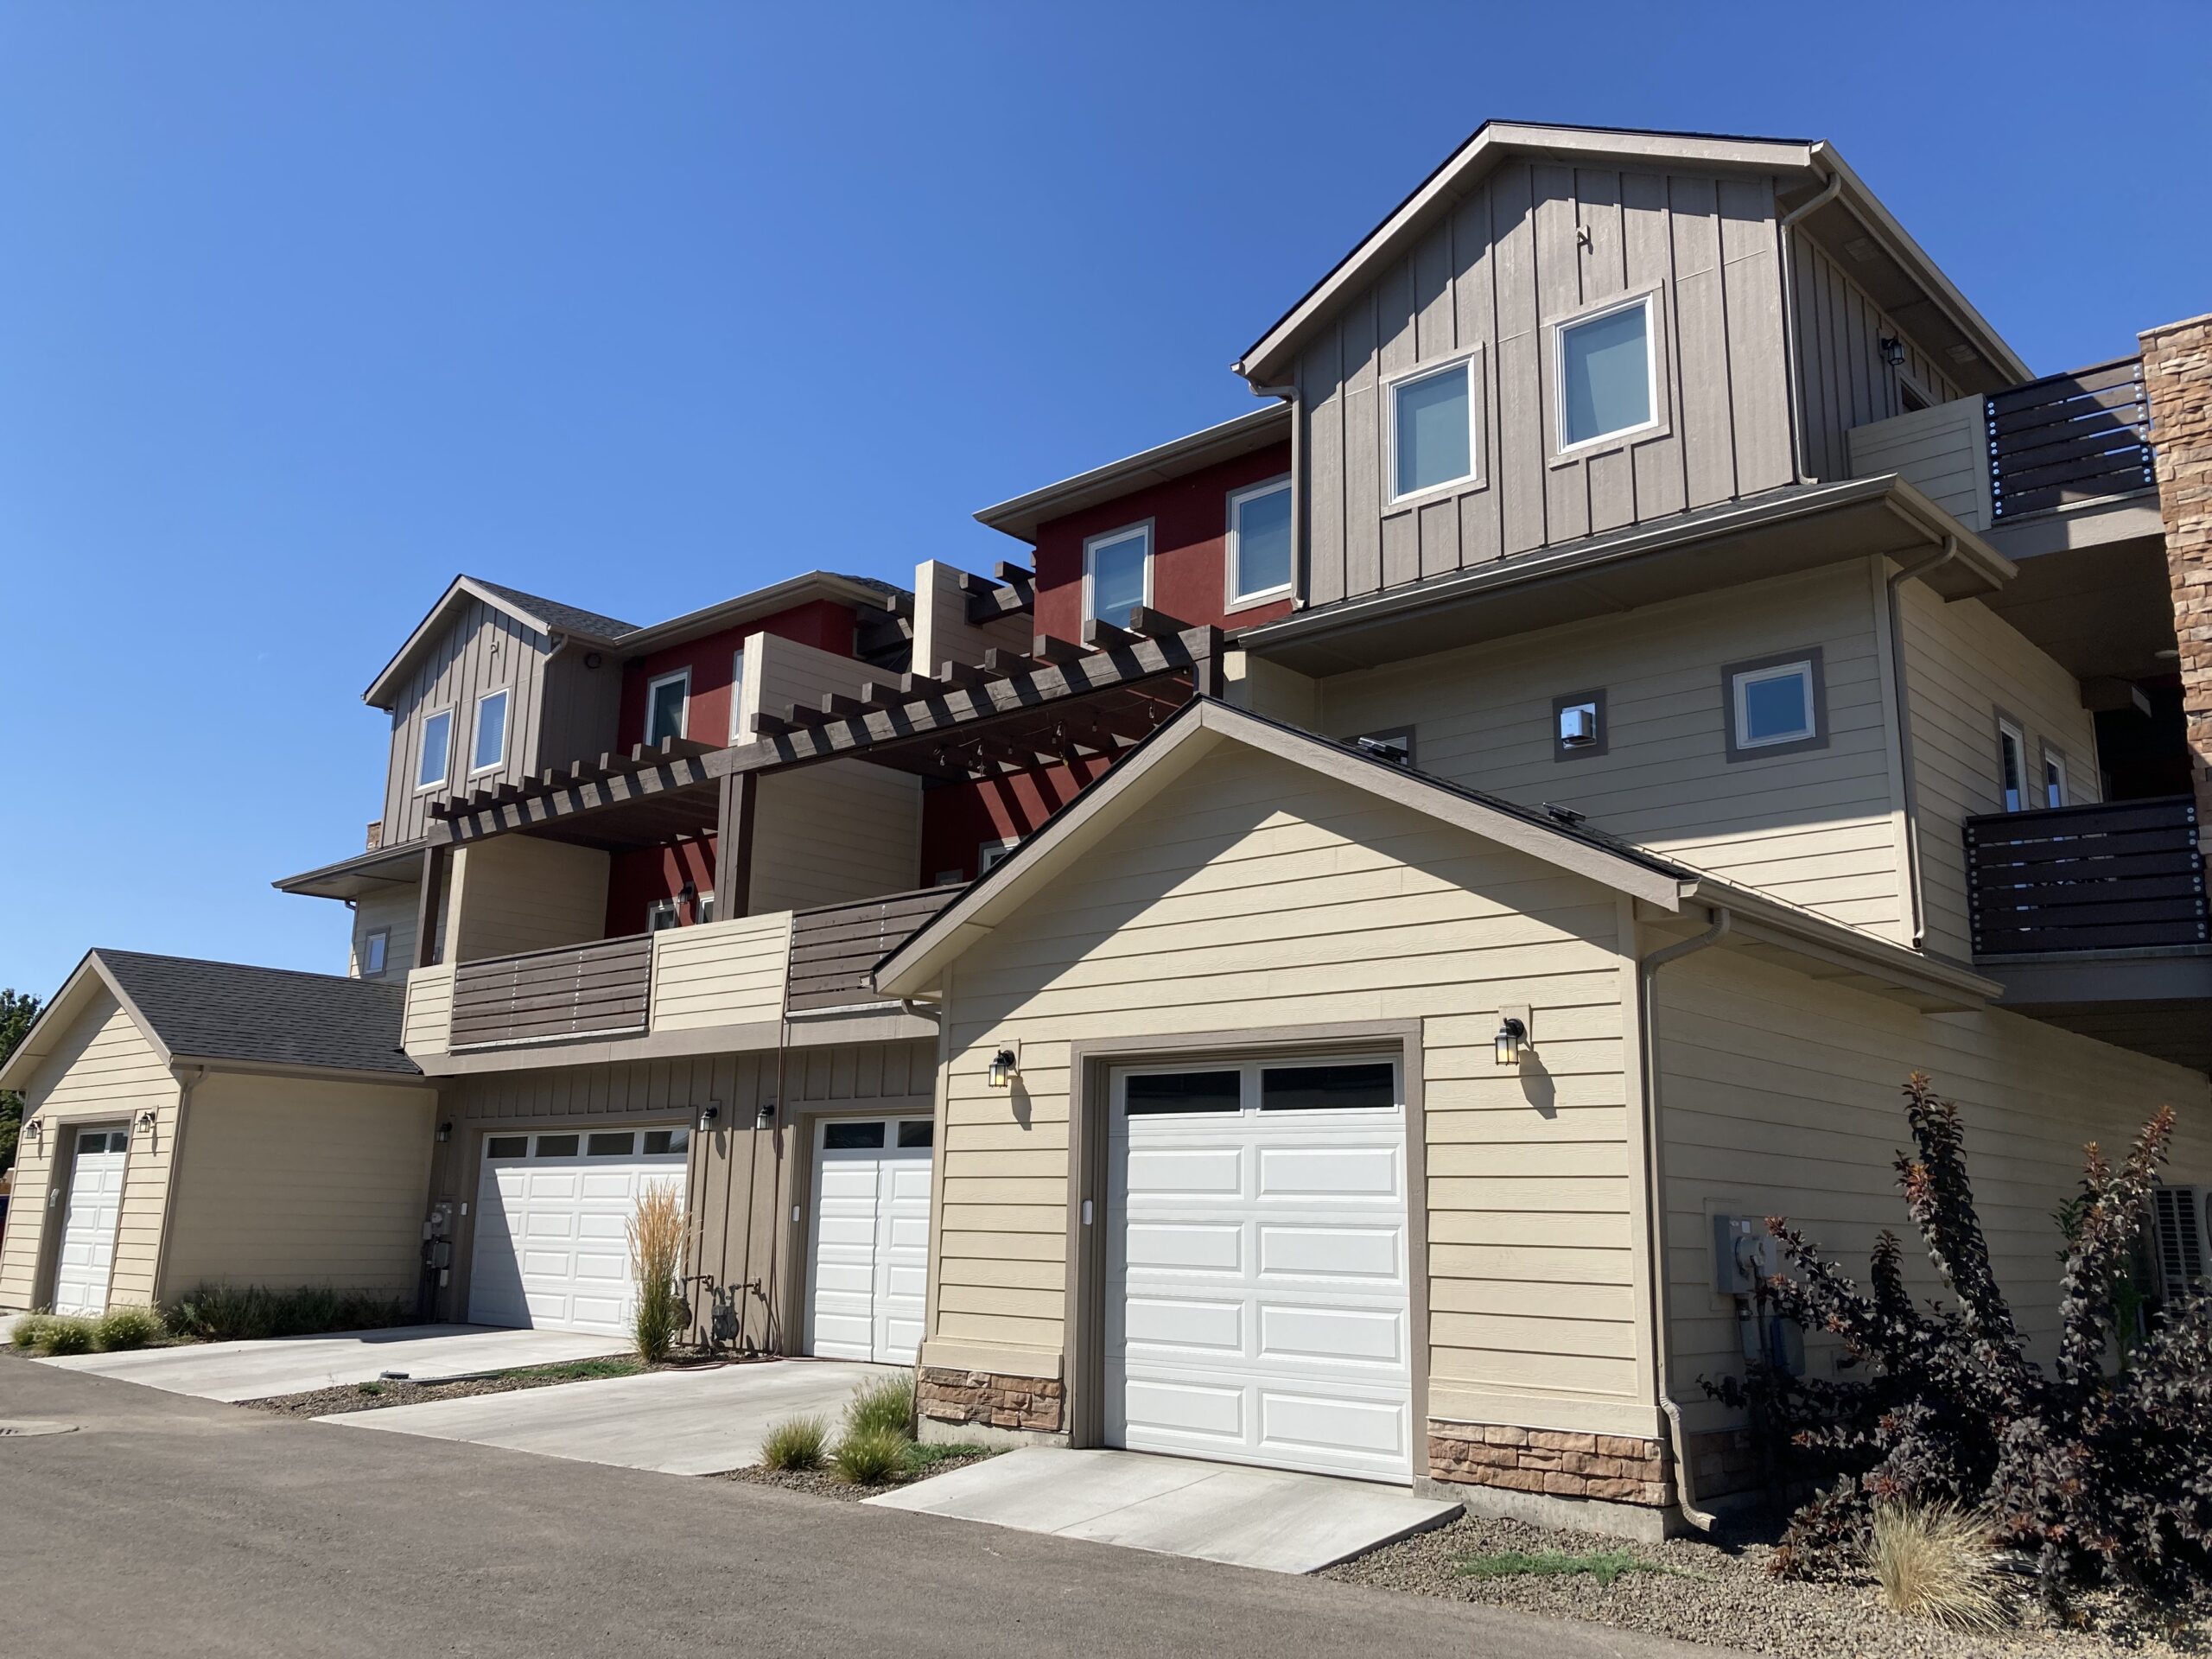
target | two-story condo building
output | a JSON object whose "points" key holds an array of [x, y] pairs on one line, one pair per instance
{"points": [[1326, 963]]}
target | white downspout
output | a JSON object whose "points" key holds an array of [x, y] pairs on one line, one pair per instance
{"points": [[1828, 193], [1654, 1166]]}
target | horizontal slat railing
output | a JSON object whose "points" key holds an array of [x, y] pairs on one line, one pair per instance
{"points": [[2126, 875], [833, 947], [2069, 437], [577, 990]]}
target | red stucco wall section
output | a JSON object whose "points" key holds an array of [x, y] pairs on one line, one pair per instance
{"points": [[822, 623]]}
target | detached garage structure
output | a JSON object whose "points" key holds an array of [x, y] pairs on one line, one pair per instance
{"points": [[187, 1122]]}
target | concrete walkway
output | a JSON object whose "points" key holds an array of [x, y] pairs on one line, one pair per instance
{"points": [[1267, 1518], [677, 1422], [255, 1370]]}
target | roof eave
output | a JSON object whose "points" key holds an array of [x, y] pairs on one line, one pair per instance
{"points": [[1931, 983], [1022, 516], [762, 601]]}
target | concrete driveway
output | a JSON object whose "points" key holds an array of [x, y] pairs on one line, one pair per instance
{"points": [[1266, 1518], [677, 1422], [255, 1370]]}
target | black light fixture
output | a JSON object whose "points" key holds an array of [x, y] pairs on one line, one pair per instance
{"points": [[445, 1132], [1003, 1067], [708, 1113], [1512, 1042], [765, 1116], [1892, 350]]}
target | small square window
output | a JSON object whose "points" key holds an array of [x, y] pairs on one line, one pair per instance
{"points": [[556, 1146], [667, 701], [491, 751], [1395, 744], [658, 1141], [1433, 429], [662, 914], [1579, 725], [1776, 706], [611, 1143], [437, 748], [1259, 541], [917, 1132], [1117, 573], [991, 853], [1605, 369], [851, 1137], [507, 1146]]}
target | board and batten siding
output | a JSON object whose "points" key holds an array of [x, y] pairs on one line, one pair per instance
{"points": [[1781, 1095], [391, 911], [481, 649], [1964, 664], [103, 1071], [1529, 244], [1820, 828], [288, 1181], [1842, 380], [1253, 894]]}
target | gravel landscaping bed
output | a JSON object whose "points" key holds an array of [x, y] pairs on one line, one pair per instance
{"points": [[825, 1483], [1694, 1591], [375, 1396]]}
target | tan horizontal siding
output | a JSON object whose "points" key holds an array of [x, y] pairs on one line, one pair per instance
{"points": [[826, 835], [514, 894], [427, 1020], [721, 973]]}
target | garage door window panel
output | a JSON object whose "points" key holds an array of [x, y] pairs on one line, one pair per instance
{"points": [[1178, 1093]]}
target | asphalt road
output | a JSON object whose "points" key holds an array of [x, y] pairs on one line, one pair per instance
{"points": [[174, 1526]]}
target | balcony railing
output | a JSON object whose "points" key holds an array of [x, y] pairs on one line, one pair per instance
{"points": [[2124, 876], [833, 947], [2069, 437], [600, 989]]}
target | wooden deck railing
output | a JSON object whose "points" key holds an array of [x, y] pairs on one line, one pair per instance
{"points": [[2129, 875], [833, 947], [572, 990], [2069, 437]]}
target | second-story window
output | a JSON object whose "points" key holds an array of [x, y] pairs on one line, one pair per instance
{"points": [[1433, 429], [1259, 543], [1606, 373], [375, 947], [1117, 573], [1776, 705], [437, 750], [491, 751], [667, 700], [2054, 778], [2012, 765], [737, 732]]}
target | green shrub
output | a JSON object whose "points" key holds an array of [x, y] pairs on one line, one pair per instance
{"points": [[121, 1328], [886, 1403], [795, 1443], [869, 1457], [928, 1454], [69, 1336], [227, 1312], [29, 1333]]}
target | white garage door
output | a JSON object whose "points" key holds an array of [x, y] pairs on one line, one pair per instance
{"points": [[1256, 1306], [868, 1258], [95, 1204], [552, 1225]]}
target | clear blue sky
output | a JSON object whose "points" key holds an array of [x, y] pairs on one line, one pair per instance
{"points": [[303, 308]]}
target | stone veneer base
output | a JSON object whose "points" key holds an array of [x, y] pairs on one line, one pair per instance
{"points": [[1035, 1406], [935, 1432], [1632, 1521]]}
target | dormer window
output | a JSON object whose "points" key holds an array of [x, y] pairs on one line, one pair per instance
{"points": [[668, 699], [1433, 429], [1117, 573], [431, 765], [1606, 373], [491, 751]]}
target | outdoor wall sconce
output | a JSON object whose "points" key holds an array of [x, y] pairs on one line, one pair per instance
{"points": [[1004, 1064], [1513, 1042], [765, 1118], [1892, 350], [708, 1113], [445, 1132], [148, 1118], [35, 1129]]}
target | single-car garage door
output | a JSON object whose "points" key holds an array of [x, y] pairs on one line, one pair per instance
{"points": [[1256, 1307], [552, 1224], [869, 1253]]}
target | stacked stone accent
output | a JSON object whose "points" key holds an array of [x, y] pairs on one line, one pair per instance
{"points": [[2177, 375], [1030, 1403], [1616, 1468], [1725, 1460]]}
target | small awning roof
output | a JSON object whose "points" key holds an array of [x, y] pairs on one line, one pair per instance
{"points": [[400, 865]]}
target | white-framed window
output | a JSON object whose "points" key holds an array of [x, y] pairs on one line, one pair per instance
{"points": [[702, 909], [2012, 765], [490, 752], [1259, 541], [436, 761], [991, 852], [668, 702], [737, 732], [1117, 572], [1606, 372], [1395, 744], [662, 914], [1774, 705], [375, 948], [1434, 436], [2054, 778]]}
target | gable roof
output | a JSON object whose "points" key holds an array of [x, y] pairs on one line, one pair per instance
{"points": [[1762, 924], [213, 1012], [550, 615], [1812, 162]]}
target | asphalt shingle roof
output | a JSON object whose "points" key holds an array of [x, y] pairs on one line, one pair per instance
{"points": [[228, 1011], [567, 619]]}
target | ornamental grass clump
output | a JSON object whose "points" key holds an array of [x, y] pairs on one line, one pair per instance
{"points": [[1935, 1563], [656, 1258], [2099, 1473], [870, 1457], [886, 1403], [795, 1443], [30, 1331], [120, 1329], [67, 1336]]}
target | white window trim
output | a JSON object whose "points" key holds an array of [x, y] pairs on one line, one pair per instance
{"points": [[671, 907], [1555, 356], [737, 733], [989, 854], [2009, 727], [476, 734], [2054, 761], [1092, 545], [652, 694], [1469, 361], [1739, 683], [445, 761], [372, 936], [1233, 540]]}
